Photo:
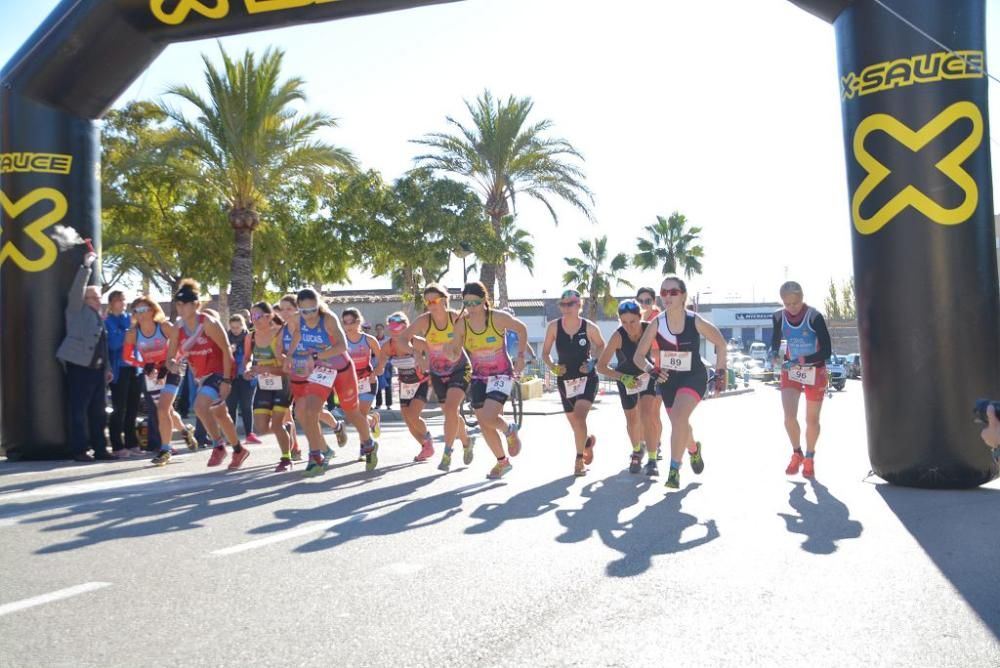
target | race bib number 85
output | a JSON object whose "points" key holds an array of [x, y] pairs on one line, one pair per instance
{"points": [[266, 381]]}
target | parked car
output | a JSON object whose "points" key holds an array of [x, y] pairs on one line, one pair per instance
{"points": [[758, 350], [852, 365], [836, 373], [757, 370]]}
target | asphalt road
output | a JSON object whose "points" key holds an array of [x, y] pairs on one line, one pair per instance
{"points": [[121, 564]]}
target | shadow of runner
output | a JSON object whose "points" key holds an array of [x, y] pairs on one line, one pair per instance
{"points": [[416, 514], [656, 530], [605, 501], [960, 531], [822, 523], [534, 502]]}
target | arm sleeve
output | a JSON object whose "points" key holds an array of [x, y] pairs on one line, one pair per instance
{"points": [[825, 345], [775, 333], [75, 302]]}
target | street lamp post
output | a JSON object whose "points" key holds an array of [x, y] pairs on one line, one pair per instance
{"points": [[463, 251]]}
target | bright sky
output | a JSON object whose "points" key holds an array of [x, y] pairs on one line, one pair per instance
{"points": [[725, 110]]}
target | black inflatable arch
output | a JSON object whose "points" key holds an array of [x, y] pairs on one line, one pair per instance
{"points": [[915, 135]]}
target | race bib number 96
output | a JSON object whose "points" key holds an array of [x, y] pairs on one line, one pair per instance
{"points": [[802, 374]]}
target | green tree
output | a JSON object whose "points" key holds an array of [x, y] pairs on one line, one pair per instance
{"points": [[831, 305], [505, 156], [592, 276], [670, 246], [248, 141], [848, 305], [515, 245]]}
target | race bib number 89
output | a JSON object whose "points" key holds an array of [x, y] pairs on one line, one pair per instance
{"points": [[673, 360]]}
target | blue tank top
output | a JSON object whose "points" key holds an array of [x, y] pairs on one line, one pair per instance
{"points": [[802, 339], [311, 340]]}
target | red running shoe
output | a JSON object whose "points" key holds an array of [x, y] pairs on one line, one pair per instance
{"points": [[809, 468], [218, 455], [238, 459], [793, 466]]}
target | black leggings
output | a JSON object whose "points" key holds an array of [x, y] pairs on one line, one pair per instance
{"points": [[241, 396], [125, 407]]}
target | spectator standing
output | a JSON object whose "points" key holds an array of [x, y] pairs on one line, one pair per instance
{"points": [[125, 382]]}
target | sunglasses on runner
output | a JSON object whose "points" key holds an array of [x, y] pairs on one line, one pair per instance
{"points": [[628, 306], [397, 326], [309, 311], [646, 301], [257, 316], [472, 302], [432, 301], [569, 304], [672, 292], [350, 322], [140, 309]]}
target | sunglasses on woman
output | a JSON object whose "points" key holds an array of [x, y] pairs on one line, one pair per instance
{"points": [[309, 311], [472, 302], [432, 301], [645, 301], [349, 322], [569, 304], [672, 292], [138, 310]]}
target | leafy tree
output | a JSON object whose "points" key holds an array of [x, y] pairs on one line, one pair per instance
{"points": [[591, 275], [670, 246]]}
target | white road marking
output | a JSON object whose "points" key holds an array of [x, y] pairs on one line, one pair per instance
{"points": [[59, 595], [281, 536]]}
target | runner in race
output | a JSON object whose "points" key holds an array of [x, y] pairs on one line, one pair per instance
{"points": [[579, 343], [201, 340], [647, 302], [449, 368], [318, 365], [481, 330], [145, 346], [361, 347], [412, 367], [682, 374], [803, 371], [290, 312], [636, 387], [273, 397]]}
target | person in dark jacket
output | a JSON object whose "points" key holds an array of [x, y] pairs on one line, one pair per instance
{"points": [[84, 354], [125, 389]]}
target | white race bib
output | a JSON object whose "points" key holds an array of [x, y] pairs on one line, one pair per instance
{"points": [[501, 384], [365, 385], [266, 381], [323, 376], [154, 384], [802, 374], [675, 360], [641, 383], [408, 390], [575, 387]]}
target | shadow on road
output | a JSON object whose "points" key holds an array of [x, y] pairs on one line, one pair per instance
{"points": [[960, 531], [824, 522], [407, 516], [657, 530], [529, 504]]}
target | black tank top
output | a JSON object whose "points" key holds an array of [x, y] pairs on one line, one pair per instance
{"points": [[574, 350], [626, 352], [687, 341]]}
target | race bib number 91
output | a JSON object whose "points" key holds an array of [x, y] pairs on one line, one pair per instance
{"points": [[323, 376]]}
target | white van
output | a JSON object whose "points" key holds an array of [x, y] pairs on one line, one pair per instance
{"points": [[758, 351]]}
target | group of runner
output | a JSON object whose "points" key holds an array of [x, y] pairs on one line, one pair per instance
{"points": [[302, 353]]}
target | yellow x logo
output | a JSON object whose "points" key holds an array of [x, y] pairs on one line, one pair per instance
{"points": [[184, 8], [950, 165], [35, 229]]}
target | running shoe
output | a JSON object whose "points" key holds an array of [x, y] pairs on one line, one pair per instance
{"points": [[162, 458], [809, 467], [426, 450], [238, 459], [502, 468], [296, 455], [283, 465], [252, 439], [375, 424], [341, 433], [635, 463], [189, 439], [794, 464], [218, 455], [467, 451], [445, 464], [371, 454], [651, 468], [314, 468], [328, 454], [673, 479], [513, 440], [588, 449], [697, 463], [580, 468]]}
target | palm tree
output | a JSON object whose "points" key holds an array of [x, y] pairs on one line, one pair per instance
{"points": [[249, 139], [588, 276], [669, 246], [505, 156], [516, 245]]}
